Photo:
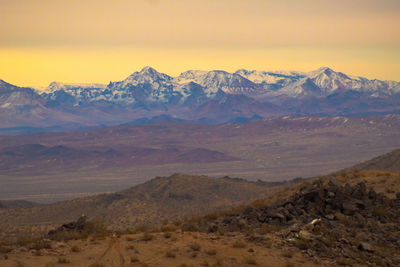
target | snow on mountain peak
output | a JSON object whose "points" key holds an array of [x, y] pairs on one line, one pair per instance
{"points": [[55, 86], [147, 75], [190, 76], [148, 70], [149, 85]]}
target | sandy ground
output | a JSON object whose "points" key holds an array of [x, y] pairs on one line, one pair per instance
{"points": [[178, 250]]}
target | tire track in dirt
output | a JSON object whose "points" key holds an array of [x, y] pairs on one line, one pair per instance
{"points": [[113, 245]]}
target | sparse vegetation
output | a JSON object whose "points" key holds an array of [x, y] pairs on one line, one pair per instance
{"points": [[147, 236], [40, 244], [63, 260], [211, 252], [194, 246], [37, 253], [5, 249], [242, 230], [250, 260], [302, 244], [134, 259], [380, 211], [130, 247], [344, 261], [129, 238], [76, 248], [170, 254], [168, 228], [287, 253], [167, 234]]}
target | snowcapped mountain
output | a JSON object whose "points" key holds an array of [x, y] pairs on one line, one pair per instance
{"points": [[76, 93], [55, 86], [149, 86], [218, 80], [213, 96], [23, 107], [330, 81], [270, 77], [321, 82], [17, 98]]}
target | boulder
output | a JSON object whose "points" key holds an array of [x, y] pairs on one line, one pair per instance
{"points": [[364, 246], [305, 235]]}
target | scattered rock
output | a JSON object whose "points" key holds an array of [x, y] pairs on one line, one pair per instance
{"points": [[77, 226], [305, 235], [366, 247], [327, 220], [330, 216]]}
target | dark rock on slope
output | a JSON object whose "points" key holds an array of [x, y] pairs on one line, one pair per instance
{"points": [[327, 220]]}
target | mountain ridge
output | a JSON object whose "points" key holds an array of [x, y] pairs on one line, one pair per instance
{"points": [[198, 96]]}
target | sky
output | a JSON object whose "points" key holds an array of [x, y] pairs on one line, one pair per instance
{"points": [[106, 40]]}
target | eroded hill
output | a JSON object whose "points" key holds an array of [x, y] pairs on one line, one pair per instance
{"points": [[389, 161], [163, 198]]}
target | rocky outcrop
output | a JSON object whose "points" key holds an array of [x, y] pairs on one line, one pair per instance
{"points": [[79, 225], [345, 224]]}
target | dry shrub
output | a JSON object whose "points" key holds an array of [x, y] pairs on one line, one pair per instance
{"points": [[239, 244], [287, 253], [130, 247], [211, 217], [167, 235], [129, 238], [211, 252], [302, 244], [142, 229], [194, 247], [380, 211], [63, 260], [250, 260], [134, 259], [258, 203], [147, 237], [168, 228], [76, 248], [170, 254]]}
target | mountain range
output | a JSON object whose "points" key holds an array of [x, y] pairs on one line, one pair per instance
{"points": [[197, 96]]}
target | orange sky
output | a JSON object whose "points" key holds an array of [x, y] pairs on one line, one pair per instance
{"points": [[103, 40]]}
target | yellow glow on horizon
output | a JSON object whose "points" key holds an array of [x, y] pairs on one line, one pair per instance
{"points": [[39, 67], [102, 40]]}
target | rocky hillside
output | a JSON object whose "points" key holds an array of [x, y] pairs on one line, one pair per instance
{"points": [[389, 161], [348, 219], [326, 220], [16, 204], [150, 203]]}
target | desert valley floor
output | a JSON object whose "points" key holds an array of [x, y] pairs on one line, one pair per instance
{"points": [[48, 167]]}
